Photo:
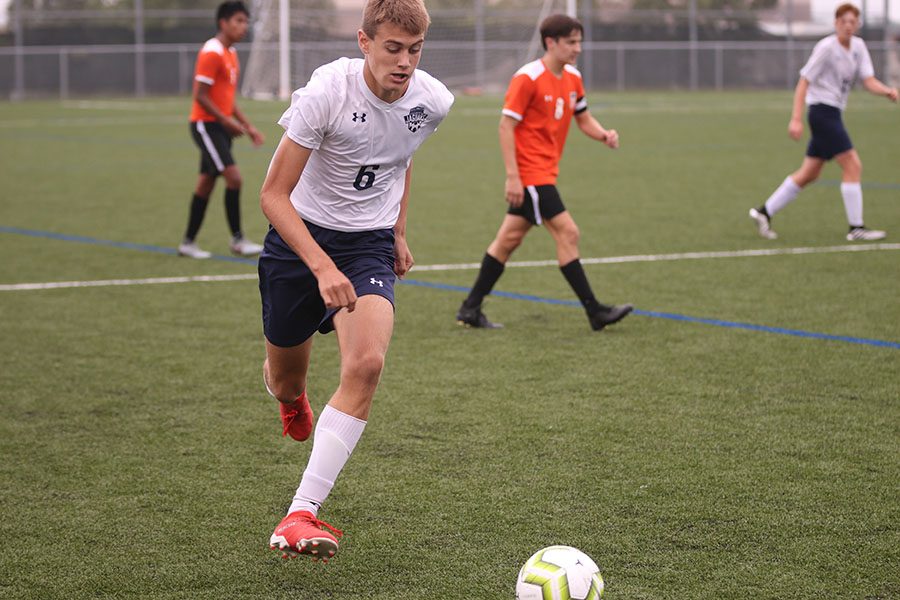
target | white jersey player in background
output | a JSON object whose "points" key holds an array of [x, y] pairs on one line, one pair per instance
{"points": [[336, 195], [837, 62]]}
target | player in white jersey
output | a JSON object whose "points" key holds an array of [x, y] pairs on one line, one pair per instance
{"points": [[336, 195], [836, 63]]}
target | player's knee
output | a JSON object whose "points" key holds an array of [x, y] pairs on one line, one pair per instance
{"points": [[511, 240], [234, 181], [804, 178], [570, 235], [365, 368]]}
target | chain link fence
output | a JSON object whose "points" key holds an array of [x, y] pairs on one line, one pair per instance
{"points": [[125, 48]]}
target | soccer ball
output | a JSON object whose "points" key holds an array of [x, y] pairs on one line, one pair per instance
{"points": [[559, 573]]}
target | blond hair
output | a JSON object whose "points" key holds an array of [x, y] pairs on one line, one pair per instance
{"points": [[409, 15]]}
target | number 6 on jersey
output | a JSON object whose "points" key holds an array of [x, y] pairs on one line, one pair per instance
{"points": [[366, 177]]}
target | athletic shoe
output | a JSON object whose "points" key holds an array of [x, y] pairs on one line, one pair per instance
{"points": [[473, 317], [297, 418], [244, 247], [193, 251], [301, 533], [861, 234], [607, 315], [762, 224]]}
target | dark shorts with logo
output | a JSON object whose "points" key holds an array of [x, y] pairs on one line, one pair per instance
{"points": [[540, 203], [829, 138], [215, 146], [292, 309]]}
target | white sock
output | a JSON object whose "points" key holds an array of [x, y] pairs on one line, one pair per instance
{"points": [[335, 438], [783, 196], [852, 194]]}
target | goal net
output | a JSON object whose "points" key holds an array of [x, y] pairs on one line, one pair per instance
{"points": [[472, 48]]}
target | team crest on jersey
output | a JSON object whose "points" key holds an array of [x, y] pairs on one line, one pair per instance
{"points": [[415, 118], [573, 98]]}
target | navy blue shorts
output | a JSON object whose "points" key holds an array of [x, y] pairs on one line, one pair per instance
{"points": [[829, 138], [541, 203], [292, 309]]}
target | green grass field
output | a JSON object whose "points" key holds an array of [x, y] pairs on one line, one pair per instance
{"points": [[141, 457]]}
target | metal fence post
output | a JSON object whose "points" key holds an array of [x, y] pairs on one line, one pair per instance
{"points": [[183, 70], [692, 29], [140, 77], [480, 75], [63, 73], [789, 22], [620, 67], [587, 19], [18, 92], [886, 40], [719, 68]]}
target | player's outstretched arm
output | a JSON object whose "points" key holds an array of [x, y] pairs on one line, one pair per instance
{"points": [[255, 136], [592, 128], [403, 258], [873, 85], [795, 126], [514, 192], [275, 199]]}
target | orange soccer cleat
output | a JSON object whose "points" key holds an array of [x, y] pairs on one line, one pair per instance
{"points": [[301, 533], [297, 418]]}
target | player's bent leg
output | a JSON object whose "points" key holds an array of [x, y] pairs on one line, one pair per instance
{"points": [[284, 375], [188, 247], [809, 171], [363, 338], [239, 245], [851, 193], [565, 233], [851, 166], [512, 231]]}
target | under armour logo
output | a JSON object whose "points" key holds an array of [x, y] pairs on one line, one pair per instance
{"points": [[357, 117], [377, 282], [548, 98]]}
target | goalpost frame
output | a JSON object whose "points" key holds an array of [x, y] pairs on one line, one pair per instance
{"points": [[284, 49]]}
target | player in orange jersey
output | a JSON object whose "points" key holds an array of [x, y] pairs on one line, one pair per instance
{"points": [[215, 120], [541, 100]]}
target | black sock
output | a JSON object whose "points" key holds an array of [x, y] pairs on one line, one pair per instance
{"points": [[233, 211], [762, 209], [574, 274], [195, 217], [491, 270]]}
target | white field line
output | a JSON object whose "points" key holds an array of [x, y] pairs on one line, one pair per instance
{"points": [[14, 287], [611, 260]]}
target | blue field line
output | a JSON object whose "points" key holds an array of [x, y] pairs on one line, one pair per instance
{"points": [[456, 288], [127, 245], [678, 317]]}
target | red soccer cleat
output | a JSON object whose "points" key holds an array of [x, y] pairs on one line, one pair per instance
{"points": [[301, 533], [297, 418]]}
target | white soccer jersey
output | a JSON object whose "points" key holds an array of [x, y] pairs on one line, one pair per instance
{"points": [[832, 70], [362, 146]]}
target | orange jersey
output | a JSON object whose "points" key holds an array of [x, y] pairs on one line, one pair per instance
{"points": [[218, 67], [543, 104]]}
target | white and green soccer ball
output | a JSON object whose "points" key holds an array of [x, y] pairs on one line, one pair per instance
{"points": [[559, 573]]}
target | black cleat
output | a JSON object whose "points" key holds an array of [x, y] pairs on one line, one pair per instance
{"points": [[607, 315], [473, 317]]}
